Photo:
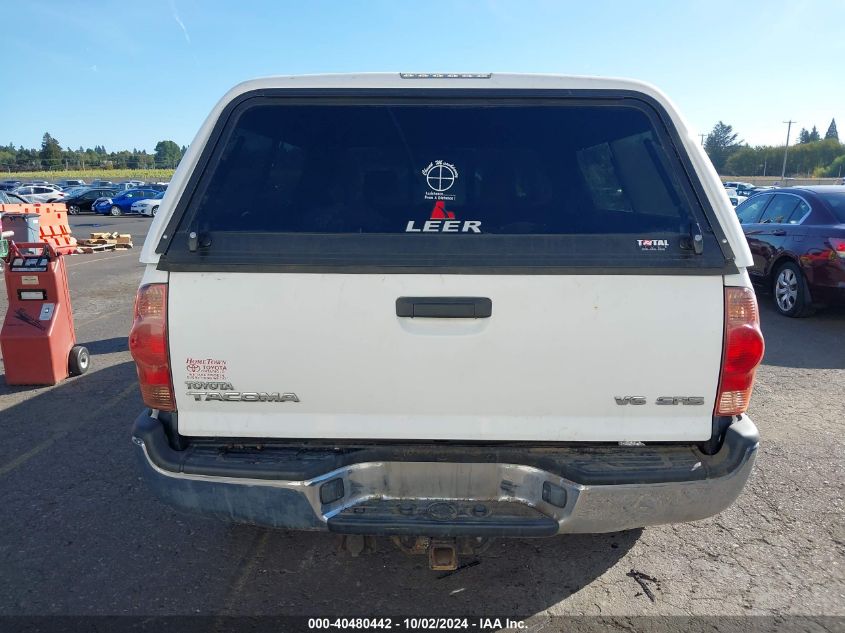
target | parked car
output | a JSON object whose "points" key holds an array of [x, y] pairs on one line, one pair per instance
{"points": [[424, 380], [68, 191], [39, 193], [149, 206], [742, 188], [734, 197], [122, 202], [7, 197], [126, 185], [797, 240], [761, 189], [70, 183], [102, 183], [159, 186], [84, 199], [9, 185]]}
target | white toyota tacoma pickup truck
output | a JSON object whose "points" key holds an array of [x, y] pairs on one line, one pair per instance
{"points": [[446, 306]]}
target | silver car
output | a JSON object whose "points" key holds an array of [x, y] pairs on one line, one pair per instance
{"points": [[39, 193]]}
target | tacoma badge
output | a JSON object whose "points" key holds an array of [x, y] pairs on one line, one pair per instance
{"points": [[242, 396]]}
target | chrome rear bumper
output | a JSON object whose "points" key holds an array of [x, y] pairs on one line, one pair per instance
{"points": [[455, 498]]}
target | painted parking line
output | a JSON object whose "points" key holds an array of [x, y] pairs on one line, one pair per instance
{"points": [[21, 459], [82, 324], [247, 566], [99, 259]]}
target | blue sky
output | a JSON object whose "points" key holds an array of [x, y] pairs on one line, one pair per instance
{"points": [[127, 74]]}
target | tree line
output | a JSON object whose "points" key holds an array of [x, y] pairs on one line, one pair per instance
{"points": [[51, 156], [812, 155]]}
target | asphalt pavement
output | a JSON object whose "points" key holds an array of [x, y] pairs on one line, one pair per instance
{"points": [[82, 535]]}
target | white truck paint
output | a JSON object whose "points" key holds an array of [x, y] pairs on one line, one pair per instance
{"points": [[546, 366]]}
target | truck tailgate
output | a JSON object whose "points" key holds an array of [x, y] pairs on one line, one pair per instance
{"points": [[557, 360]]}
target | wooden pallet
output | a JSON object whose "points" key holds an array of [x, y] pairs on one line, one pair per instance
{"points": [[96, 248], [99, 242]]}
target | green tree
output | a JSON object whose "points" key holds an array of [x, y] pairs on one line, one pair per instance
{"points": [[819, 158], [720, 144], [750, 161], [51, 151], [831, 131], [803, 136], [836, 168], [167, 154], [7, 158], [814, 135]]}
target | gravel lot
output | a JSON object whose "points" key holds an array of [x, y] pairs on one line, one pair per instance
{"points": [[82, 535]]}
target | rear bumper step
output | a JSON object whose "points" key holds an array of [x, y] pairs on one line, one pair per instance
{"points": [[483, 491], [443, 518]]}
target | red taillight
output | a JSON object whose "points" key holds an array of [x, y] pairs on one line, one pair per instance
{"points": [[838, 246], [148, 344], [743, 351]]}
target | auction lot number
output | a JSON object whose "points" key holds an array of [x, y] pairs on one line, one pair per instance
{"points": [[414, 624]]}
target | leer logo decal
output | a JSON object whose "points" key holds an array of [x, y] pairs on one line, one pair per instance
{"points": [[443, 221], [439, 212]]}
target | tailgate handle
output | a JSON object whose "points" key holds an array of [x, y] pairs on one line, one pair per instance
{"points": [[444, 307]]}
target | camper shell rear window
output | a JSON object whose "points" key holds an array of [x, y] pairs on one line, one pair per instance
{"points": [[412, 184]]}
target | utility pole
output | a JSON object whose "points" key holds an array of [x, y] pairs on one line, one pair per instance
{"points": [[702, 139], [786, 151]]}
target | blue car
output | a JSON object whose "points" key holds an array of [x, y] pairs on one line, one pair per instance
{"points": [[122, 203]]}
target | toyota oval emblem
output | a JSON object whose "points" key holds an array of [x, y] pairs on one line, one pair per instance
{"points": [[441, 511]]}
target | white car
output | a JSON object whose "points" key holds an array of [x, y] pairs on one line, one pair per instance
{"points": [[147, 207], [741, 187], [40, 193], [129, 184], [529, 317], [734, 197]]}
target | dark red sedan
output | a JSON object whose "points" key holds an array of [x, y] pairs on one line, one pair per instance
{"points": [[797, 239]]}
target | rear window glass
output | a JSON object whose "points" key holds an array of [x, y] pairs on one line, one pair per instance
{"points": [[780, 209], [448, 169], [836, 201]]}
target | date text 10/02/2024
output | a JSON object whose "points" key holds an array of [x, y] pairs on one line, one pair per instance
{"points": [[415, 624]]}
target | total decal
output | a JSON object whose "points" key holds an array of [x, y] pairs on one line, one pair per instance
{"points": [[440, 177], [653, 245]]}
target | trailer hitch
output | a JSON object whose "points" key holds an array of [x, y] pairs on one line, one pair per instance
{"points": [[443, 553]]}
